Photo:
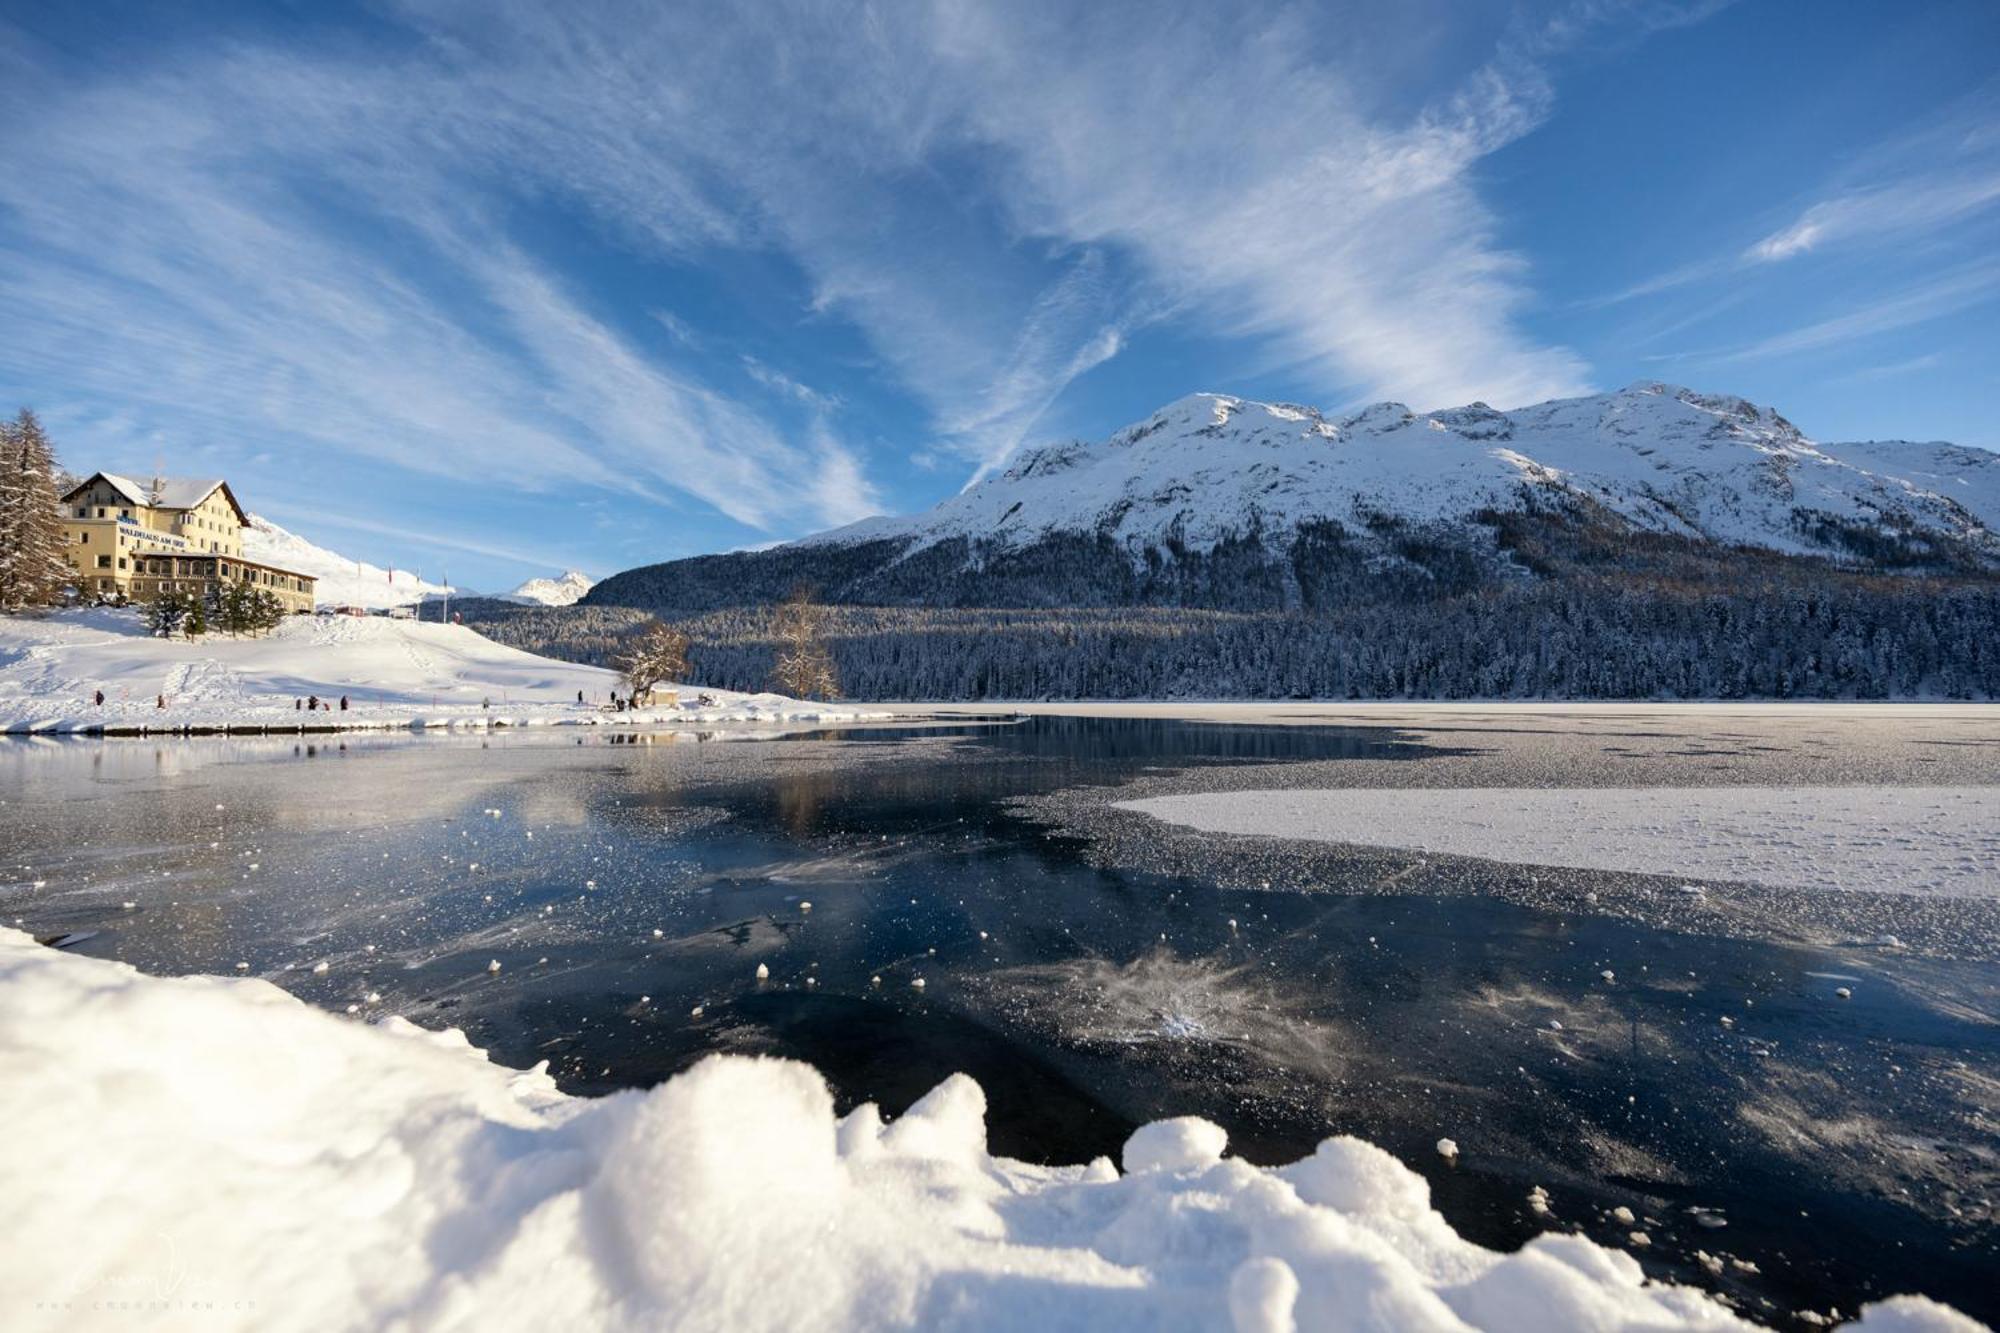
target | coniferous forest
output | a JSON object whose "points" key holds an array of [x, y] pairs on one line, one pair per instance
{"points": [[1551, 605]]}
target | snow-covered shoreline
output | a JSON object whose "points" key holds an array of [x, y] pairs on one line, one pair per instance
{"points": [[213, 1150], [398, 675]]}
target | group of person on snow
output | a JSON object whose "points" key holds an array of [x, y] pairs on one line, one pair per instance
{"points": [[311, 703]]}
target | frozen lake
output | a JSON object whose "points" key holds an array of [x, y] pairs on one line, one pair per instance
{"points": [[1790, 1082]]}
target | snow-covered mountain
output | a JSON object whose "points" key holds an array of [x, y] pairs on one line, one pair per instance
{"points": [[1211, 467], [561, 591], [1233, 505], [342, 582]]}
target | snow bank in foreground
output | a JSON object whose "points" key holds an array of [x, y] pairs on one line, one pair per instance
{"points": [[1882, 839], [216, 1152], [395, 673]]}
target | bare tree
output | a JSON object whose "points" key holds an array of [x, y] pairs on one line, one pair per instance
{"points": [[656, 653], [805, 668]]}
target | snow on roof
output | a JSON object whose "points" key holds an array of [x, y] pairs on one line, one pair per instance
{"points": [[174, 492]]}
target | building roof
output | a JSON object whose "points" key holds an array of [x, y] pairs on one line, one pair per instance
{"points": [[175, 492]]}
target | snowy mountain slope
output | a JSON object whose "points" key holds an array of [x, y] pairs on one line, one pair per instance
{"points": [[1969, 477], [563, 591], [1665, 459], [342, 582]]}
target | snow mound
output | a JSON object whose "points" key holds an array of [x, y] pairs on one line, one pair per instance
{"points": [[563, 591], [213, 1148], [342, 582]]}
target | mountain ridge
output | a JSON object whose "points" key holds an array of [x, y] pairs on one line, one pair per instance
{"points": [[1229, 503], [1664, 458]]}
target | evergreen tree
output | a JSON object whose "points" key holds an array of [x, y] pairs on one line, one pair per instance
{"points": [[33, 568], [267, 611], [235, 608], [167, 614], [194, 617]]}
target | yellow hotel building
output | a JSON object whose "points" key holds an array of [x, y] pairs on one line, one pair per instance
{"points": [[182, 534]]}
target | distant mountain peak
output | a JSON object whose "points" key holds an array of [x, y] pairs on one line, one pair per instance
{"points": [[560, 591]]}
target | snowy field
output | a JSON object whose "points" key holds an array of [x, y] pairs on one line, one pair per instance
{"points": [[207, 1152], [397, 674], [1875, 838]]}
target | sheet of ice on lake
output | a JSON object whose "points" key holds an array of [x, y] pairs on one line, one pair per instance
{"points": [[1878, 838]]}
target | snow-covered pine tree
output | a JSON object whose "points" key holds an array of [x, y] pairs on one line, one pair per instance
{"points": [[13, 505], [266, 611], [238, 609], [166, 614], [33, 571], [194, 616]]}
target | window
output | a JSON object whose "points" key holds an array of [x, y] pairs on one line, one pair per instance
{"points": [[83, 539], [104, 562], [121, 562], [83, 511], [100, 511]]}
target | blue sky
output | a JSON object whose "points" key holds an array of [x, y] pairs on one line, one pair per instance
{"points": [[496, 289]]}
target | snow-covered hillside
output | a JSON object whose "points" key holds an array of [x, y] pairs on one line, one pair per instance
{"points": [[214, 1145], [342, 582], [561, 591], [1665, 458], [395, 674]]}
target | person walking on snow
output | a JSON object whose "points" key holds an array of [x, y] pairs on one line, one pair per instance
{"points": [[343, 703], [312, 703], [298, 705], [159, 701], [99, 698]]}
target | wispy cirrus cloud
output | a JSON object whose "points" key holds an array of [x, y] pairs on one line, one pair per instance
{"points": [[282, 252], [1349, 239], [321, 247], [1882, 210], [1946, 294], [1891, 370], [1912, 187]]}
